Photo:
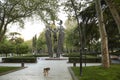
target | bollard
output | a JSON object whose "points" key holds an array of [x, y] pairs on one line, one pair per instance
{"points": [[22, 64], [74, 64]]}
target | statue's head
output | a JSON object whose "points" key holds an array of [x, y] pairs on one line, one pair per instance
{"points": [[61, 22]]}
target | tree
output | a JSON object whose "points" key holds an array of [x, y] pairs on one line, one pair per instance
{"points": [[22, 49], [89, 18], [113, 9], [34, 44], [14, 37], [89, 21], [41, 42], [72, 40], [103, 35], [6, 48], [70, 34], [29, 43], [75, 7], [15, 11]]}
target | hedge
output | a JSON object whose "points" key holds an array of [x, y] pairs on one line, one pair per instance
{"points": [[44, 55], [19, 60], [38, 55], [88, 60], [78, 54]]}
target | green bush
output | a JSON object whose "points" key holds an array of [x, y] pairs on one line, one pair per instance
{"points": [[71, 55], [78, 54], [19, 60], [42, 55], [38, 55], [22, 49], [88, 60]]}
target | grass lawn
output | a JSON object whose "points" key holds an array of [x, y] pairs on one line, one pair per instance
{"points": [[99, 73], [7, 69]]}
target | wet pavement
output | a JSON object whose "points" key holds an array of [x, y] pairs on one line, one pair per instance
{"points": [[34, 71]]}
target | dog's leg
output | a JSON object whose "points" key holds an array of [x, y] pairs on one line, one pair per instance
{"points": [[44, 72], [47, 73]]}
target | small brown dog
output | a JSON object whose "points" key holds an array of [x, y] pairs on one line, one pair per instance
{"points": [[45, 71]]}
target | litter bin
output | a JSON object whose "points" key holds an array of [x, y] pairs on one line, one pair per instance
{"points": [[22, 64], [74, 64]]}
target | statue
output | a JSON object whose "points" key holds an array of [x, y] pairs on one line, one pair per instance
{"points": [[60, 39], [49, 40], [55, 42], [54, 35]]}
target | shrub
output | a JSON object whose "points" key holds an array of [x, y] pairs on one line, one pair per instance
{"points": [[78, 54], [38, 55], [44, 55], [71, 55], [19, 60], [22, 49], [88, 60]]}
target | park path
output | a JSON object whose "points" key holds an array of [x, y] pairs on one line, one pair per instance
{"points": [[58, 71]]}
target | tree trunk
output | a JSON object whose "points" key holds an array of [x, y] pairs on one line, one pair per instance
{"points": [[114, 12], [103, 35], [80, 35]]}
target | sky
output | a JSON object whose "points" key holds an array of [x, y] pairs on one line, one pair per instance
{"points": [[31, 28]]}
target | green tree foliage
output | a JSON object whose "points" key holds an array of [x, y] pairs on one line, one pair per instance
{"points": [[34, 44], [114, 6], [41, 42], [13, 44], [13, 35], [112, 31], [14, 38], [7, 48], [29, 43], [88, 16], [71, 36], [15, 11], [89, 29], [22, 49], [89, 21]]}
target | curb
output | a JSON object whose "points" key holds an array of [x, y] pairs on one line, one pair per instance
{"points": [[12, 71], [72, 74]]}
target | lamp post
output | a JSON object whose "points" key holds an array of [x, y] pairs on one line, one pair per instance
{"points": [[85, 50], [81, 51]]}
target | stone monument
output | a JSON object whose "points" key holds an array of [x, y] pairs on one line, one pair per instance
{"points": [[55, 40]]}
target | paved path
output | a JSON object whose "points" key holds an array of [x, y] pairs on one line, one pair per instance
{"points": [[58, 71]]}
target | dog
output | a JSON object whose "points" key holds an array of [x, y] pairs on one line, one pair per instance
{"points": [[45, 71]]}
